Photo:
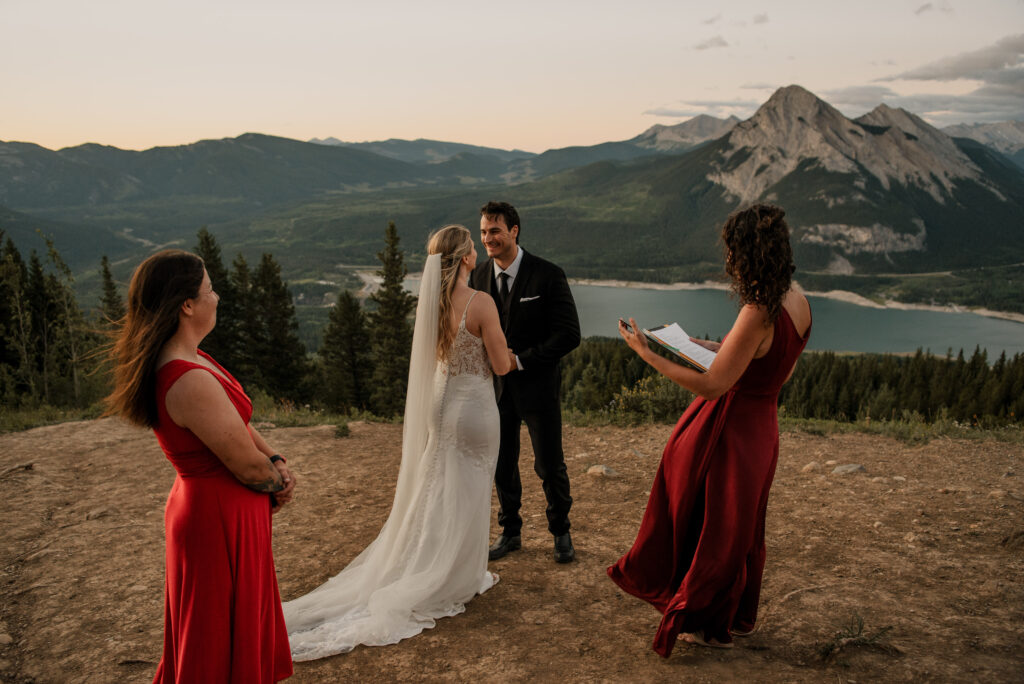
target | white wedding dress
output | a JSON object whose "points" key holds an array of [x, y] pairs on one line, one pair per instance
{"points": [[430, 557]]}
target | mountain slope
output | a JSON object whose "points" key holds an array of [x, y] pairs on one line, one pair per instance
{"points": [[1006, 137], [422, 151], [683, 136]]}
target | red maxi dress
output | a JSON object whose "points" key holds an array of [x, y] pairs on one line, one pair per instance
{"points": [[699, 555], [222, 615]]}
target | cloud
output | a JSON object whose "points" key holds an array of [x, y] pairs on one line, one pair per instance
{"points": [[715, 42], [718, 108], [713, 19], [1007, 53], [933, 7], [868, 96], [761, 19], [999, 68]]}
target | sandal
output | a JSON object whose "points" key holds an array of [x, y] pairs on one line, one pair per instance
{"points": [[741, 633], [697, 638]]}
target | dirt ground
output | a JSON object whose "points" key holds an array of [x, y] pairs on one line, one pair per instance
{"points": [[914, 544]]}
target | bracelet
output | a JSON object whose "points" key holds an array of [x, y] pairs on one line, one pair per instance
{"points": [[277, 457]]}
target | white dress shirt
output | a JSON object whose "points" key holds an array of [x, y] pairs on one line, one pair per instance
{"points": [[512, 271]]}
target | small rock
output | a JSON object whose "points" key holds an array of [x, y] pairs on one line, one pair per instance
{"points": [[898, 478], [910, 538], [849, 468], [997, 494], [5, 639], [831, 463], [601, 471], [879, 479], [97, 513], [1008, 473], [810, 467], [877, 524]]}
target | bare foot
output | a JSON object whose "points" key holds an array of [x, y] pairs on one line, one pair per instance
{"points": [[697, 638]]}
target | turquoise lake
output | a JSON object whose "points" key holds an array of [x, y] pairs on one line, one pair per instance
{"points": [[837, 326]]}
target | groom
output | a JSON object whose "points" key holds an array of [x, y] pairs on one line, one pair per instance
{"points": [[539, 318]]}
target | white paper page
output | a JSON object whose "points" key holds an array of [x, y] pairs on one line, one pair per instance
{"points": [[675, 336]]}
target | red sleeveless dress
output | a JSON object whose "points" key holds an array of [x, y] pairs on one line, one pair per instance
{"points": [[699, 555], [222, 613]]}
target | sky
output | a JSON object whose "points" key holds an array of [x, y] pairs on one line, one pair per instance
{"points": [[529, 75]]}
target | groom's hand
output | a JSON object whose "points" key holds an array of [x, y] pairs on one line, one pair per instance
{"points": [[512, 359]]}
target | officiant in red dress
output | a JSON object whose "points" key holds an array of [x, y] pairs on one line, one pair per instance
{"points": [[699, 554]]}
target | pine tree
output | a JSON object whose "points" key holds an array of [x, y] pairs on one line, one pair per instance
{"points": [[243, 363], [70, 335], [15, 326], [224, 341], [111, 303], [390, 330], [345, 356], [42, 316], [279, 353]]}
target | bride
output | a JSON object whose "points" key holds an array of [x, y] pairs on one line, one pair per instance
{"points": [[430, 557]]}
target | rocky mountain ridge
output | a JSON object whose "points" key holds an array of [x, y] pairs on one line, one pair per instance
{"points": [[794, 128], [683, 136]]}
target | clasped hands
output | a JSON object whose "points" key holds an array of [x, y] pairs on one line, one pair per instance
{"points": [[285, 495]]}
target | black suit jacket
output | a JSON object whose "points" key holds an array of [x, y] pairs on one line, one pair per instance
{"points": [[540, 323]]}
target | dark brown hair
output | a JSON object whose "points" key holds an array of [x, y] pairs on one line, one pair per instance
{"points": [[493, 210], [758, 256], [159, 287]]}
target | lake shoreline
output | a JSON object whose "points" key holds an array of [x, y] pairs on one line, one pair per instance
{"points": [[838, 295], [371, 280]]}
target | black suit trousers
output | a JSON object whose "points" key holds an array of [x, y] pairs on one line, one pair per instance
{"points": [[544, 423]]}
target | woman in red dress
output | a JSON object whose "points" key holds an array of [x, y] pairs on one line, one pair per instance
{"points": [[699, 555], [222, 615]]}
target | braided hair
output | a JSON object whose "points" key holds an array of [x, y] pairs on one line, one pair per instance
{"points": [[452, 242]]}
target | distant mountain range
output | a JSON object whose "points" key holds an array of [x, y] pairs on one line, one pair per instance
{"points": [[1007, 137], [882, 193]]}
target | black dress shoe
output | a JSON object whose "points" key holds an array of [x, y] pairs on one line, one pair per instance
{"points": [[564, 552], [503, 545]]}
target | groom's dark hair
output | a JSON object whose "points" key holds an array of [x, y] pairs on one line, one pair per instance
{"points": [[493, 210]]}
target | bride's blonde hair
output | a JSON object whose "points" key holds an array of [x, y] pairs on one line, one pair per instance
{"points": [[452, 242]]}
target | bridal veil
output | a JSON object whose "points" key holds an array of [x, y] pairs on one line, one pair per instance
{"points": [[415, 571]]}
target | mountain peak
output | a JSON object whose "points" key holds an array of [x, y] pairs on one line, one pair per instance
{"points": [[685, 135], [796, 127]]}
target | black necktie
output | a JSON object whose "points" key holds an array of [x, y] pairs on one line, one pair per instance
{"points": [[503, 288]]}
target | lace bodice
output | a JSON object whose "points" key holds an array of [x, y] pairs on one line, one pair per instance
{"points": [[468, 355]]}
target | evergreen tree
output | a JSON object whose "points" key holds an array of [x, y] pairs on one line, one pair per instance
{"points": [[244, 364], [42, 311], [391, 331], [345, 356], [224, 341], [16, 377], [111, 302], [278, 352], [70, 336]]}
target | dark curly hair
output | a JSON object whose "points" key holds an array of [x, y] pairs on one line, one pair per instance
{"points": [[758, 257]]}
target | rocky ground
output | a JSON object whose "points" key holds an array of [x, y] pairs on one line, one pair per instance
{"points": [[919, 559]]}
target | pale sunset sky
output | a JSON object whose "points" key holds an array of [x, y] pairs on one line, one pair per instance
{"points": [[528, 74]]}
